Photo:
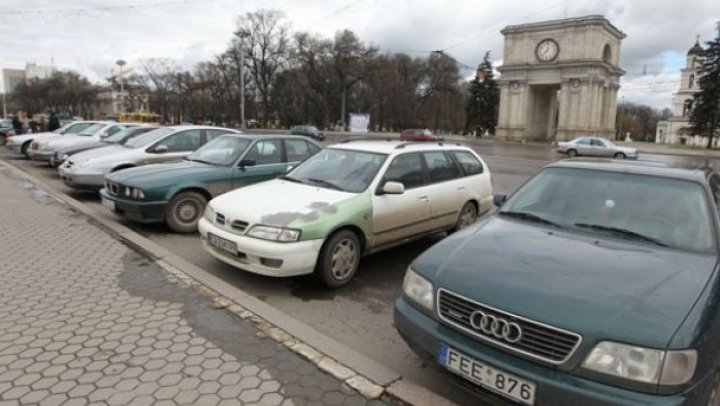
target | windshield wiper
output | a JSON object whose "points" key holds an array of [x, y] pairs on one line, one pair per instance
{"points": [[291, 179], [201, 161], [326, 184], [530, 217], [622, 231]]}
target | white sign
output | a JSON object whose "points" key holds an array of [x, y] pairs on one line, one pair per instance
{"points": [[359, 122]]}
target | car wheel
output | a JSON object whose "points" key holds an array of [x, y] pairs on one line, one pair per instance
{"points": [[468, 215], [619, 155], [572, 153], [24, 149], [184, 211], [339, 259]]}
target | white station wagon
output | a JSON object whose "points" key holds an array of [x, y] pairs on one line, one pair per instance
{"points": [[348, 200]]}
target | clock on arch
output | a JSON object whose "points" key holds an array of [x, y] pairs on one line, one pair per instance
{"points": [[547, 50]]}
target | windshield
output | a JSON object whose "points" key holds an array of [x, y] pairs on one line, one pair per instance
{"points": [[224, 150], [73, 128], [668, 212], [91, 130], [148, 138], [125, 134], [340, 169]]}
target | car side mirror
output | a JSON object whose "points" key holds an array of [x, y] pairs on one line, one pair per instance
{"points": [[499, 200], [393, 188], [289, 168], [161, 149], [247, 162]]}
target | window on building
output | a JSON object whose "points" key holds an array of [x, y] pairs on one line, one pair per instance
{"points": [[691, 82], [687, 108], [607, 53]]}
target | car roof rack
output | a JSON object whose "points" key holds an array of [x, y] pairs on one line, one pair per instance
{"points": [[439, 143], [368, 139]]}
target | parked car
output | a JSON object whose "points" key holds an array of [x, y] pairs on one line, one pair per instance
{"points": [[6, 130], [595, 283], [177, 193], [348, 200], [19, 145], [308, 131], [418, 134], [44, 149], [594, 146], [120, 137], [87, 170]]}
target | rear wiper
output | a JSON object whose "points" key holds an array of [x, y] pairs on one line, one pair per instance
{"points": [[530, 217], [326, 184], [622, 231]]}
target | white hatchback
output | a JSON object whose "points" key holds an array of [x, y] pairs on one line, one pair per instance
{"points": [[349, 200]]}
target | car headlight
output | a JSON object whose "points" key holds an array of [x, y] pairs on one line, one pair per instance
{"points": [[418, 289], [209, 213], [280, 234], [134, 192], [647, 365]]}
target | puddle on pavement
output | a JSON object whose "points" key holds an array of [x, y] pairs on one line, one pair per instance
{"points": [[240, 338]]}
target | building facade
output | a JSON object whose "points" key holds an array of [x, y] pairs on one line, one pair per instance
{"points": [[13, 77], [676, 129], [559, 79]]}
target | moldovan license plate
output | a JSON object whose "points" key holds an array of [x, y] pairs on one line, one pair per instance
{"points": [[222, 243], [108, 203], [486, 376]]}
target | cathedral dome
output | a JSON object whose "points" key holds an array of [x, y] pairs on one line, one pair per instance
{"points": [[697, 49]]}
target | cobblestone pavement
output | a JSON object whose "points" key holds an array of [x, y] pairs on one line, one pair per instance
{"points": [[86, 320]]}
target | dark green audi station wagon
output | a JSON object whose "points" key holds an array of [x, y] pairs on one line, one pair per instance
{"points": [[595, 283], [176, 193]]}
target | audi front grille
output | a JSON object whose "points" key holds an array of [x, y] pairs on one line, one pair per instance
{"points": [[536, 340]]}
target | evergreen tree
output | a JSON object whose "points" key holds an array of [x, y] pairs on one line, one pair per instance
{"points": [[481, 109], [705, 113]]}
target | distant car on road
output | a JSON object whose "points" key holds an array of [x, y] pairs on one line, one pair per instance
{"points": [[597, 282], [348, 200], [176, 193], [308, 131], [594, 146], [121, 137], [418, 134], [87, 170]]}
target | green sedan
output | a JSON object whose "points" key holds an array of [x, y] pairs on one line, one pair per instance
{"points": [[176, 193]]}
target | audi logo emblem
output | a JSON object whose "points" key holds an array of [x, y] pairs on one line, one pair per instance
{"points": [[496, 326]]}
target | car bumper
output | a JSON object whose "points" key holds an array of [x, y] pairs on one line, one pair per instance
{"points": [[40, 155], [298, 258], [423, 335], [15, 149], [138, 211], [86, 179]]}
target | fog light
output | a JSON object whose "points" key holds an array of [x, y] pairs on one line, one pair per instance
{"points": [[272, 263]]}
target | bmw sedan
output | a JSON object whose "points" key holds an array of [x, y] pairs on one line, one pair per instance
{"points": [[597, 147], [87, 169], [596, 283]]}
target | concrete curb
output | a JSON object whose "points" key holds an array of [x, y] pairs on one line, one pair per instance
{"points": [[365, 375]]}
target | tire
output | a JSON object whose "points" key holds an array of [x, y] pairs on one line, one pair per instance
{"points": [[339, 259], [572, 153], [184, 211], [619, 155], [24, 149], [468, 215], [714, 398]]}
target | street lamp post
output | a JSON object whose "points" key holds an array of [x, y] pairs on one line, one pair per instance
{"points": [[121, 63]]}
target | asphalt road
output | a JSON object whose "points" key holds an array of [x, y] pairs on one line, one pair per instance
{"points": [[360, 314]]}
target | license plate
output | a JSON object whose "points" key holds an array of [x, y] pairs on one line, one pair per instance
{"points": [[108, 203], [488, 377], [222, 243]]}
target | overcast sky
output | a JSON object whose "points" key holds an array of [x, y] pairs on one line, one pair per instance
{"points": [[90, 35]]}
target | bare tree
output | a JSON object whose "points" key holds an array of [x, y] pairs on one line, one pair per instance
{"points": [[160, 78], [349, 57]]}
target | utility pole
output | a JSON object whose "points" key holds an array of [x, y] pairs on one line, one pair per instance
{"points": [[622, 103], [121, 63], [4, 105], [242, 35]]}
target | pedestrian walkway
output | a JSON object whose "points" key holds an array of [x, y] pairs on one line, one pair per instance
{"points": [[86, 320]]}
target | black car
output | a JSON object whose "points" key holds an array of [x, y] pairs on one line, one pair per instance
{"points": [[308, 131], [595, 283]]}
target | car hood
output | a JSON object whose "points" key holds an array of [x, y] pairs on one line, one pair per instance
{"points": [[106, 156], [19, 139], [166, 173], [282, 203], [66, 141], [597, 287], [81, 146]]}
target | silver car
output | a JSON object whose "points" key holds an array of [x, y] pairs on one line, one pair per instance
{"points": [[43, 149], [20, 144], [594, 146], [87, 170]]}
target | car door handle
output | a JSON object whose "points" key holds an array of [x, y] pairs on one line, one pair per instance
{"points": [[461, 188], [423, 198]]}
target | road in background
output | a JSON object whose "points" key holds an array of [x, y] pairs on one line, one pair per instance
{"points": [[360, 314]]}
